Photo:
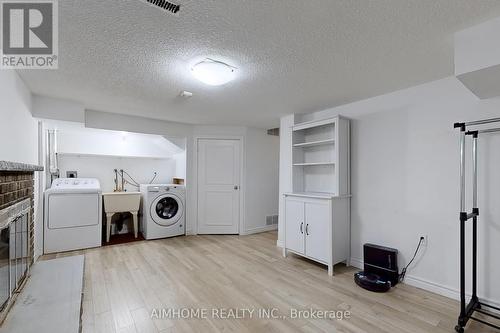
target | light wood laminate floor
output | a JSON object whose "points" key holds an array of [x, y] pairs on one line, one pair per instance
{"points": [[124, 283]]}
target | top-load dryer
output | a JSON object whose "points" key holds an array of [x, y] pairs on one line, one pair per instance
{"points": [[73, 215]]}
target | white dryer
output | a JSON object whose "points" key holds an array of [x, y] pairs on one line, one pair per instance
{"points": [[73, 215], [163, 210]]}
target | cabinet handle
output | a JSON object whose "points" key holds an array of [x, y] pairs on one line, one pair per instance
{"points": [[301, 225], [307, 229]]}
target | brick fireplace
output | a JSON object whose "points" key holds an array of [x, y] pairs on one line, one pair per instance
{"points": [[16, 187], [17, 225]]}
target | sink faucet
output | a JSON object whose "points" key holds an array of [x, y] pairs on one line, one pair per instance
{"points": [[123, 180], [116, 181]]}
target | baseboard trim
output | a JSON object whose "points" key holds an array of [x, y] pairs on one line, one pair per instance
{"points": [[279, 243], [443, 290], [427, 285], [356, 262], [260, 229]]}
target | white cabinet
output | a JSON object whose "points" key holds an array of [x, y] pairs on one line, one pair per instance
{"points": [[317, 227], [317, 212]]}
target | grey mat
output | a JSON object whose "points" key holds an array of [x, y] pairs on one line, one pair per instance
{"points": [[51, 300]]}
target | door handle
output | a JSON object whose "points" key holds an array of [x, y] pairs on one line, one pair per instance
{"points": [[301, 225], [236, 187], [307, 229]]}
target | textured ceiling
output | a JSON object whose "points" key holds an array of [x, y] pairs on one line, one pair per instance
{"points": [[129, 57]]}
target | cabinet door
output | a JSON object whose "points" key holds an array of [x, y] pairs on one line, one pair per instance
{"points": [[294, 228], [317, 218]]}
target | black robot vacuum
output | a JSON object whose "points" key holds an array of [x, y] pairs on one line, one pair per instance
{"points": [[372, 282], [380, 268]]}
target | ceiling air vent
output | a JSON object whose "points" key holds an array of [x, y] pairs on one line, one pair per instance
{"points": [[166, 5]]}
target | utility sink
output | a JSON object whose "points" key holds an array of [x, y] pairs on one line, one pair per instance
{"points": [[119, 202], [116, 202]]}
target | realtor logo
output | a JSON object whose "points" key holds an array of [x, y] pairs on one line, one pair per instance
{"points": [[29, 36]]}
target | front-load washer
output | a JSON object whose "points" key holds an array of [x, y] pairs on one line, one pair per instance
{"points": [[72, 215], [163, 210]]}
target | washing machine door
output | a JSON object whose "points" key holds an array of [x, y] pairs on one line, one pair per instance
{"points": [[166, 209]]}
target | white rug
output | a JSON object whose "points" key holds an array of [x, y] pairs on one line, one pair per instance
{"points": [[51, 300]]}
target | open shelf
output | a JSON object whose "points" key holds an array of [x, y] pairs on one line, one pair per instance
{"points": [[314, 143], [319, 157], [325, 195], [314, 163], [112, 156], [313, 124]]}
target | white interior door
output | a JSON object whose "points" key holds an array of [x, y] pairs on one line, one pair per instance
{"points": [[219, 163]]}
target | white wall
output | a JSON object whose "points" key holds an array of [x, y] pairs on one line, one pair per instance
{"points": [[101, 167], [58, 109], [180, 165], [18, 129], [19, 134], [80, 140], [477, 58], [477, 47], [285, 169], [119, 122], [262, 180], [405, 181]]}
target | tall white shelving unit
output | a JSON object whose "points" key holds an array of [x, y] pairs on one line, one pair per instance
{"points": [[317, 221]]}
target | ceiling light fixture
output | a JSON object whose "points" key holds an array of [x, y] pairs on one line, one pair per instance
{"points": [[186, 94], [213, 72]]}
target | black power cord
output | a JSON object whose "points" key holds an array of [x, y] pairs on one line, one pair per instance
{"points": [[403, 272]]}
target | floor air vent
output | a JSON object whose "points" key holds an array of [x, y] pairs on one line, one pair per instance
{"points": [[166, 5]]}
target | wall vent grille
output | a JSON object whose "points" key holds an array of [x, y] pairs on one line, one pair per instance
{"points": [[274, 131], [272, 219], [165, 5]]}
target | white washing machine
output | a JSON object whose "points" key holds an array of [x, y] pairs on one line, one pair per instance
{"points": [[163, 210], [73, 215]]}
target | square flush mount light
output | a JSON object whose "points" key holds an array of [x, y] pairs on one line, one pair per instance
{"points": [[213, 72]]}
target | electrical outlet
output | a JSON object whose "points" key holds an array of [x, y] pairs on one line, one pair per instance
{"points": [[425, 240], [71, 174]]}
